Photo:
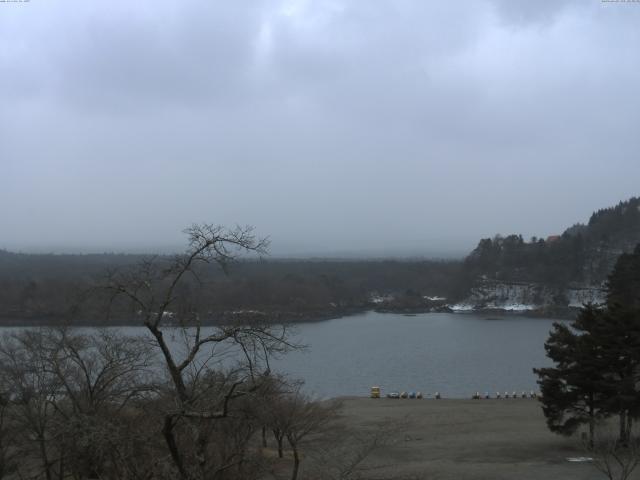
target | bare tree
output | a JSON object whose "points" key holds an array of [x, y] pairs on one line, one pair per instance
{"points": [[342, 452], [269, 409], [613, 457], [156, 290], [314, 430], [67, 400], [100, 375], [184, 401], [297, 418], [8, 457], [98, 371], [308, 418], [33, 393]]}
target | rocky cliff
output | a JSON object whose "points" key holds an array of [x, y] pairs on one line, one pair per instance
{"points": [[523, 297]]}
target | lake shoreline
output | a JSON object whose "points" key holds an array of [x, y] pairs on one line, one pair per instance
{"points": [[289, 317]]}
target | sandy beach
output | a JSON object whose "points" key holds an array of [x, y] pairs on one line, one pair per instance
{"points": [[468, 439]]}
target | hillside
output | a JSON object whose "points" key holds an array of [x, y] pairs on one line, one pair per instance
{"points": [[560, 271]]}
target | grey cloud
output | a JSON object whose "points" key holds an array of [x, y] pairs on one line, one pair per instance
{"points": [[331, 126], [522, 12], [197, 57]]}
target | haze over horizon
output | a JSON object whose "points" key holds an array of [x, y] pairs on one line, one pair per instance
{"points": [[335, 128]]}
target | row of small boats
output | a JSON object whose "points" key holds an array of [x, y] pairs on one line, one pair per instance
{"points": [[498, 395], [376, 393], [411, 395]]}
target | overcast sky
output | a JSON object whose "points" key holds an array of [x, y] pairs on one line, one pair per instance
{"points": [[355, 127]]}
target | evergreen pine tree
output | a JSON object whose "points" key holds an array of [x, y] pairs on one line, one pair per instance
{"points": [[574, 392], [620, 337], [597, 359]]}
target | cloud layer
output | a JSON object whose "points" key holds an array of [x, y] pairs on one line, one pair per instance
{"points": [[384, 127]]}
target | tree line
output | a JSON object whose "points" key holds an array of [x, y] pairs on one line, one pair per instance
{"points": [[46, 288], [53, 288], [181, 402]]}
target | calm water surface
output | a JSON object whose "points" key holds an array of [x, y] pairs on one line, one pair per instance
{"points": [[454, 354]]}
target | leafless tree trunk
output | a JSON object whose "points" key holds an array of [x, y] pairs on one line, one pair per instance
{"points": [[153, 290], [296, 461], [24, 373], [68, 391], [295, 417], [279, 436], [612, 457], [114, 407]]}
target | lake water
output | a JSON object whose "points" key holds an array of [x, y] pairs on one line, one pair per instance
{"points": [[454, 354]]}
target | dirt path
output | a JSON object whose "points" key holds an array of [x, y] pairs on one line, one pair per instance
{"points": [[469, 439]]}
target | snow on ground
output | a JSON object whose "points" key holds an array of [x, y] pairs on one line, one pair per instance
{"points": [[462, 307], [513, 307], [579, 296]]}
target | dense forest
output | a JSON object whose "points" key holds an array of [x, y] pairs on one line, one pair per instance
{"points": [[58, 288], [582, 255], [61, 287]]}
